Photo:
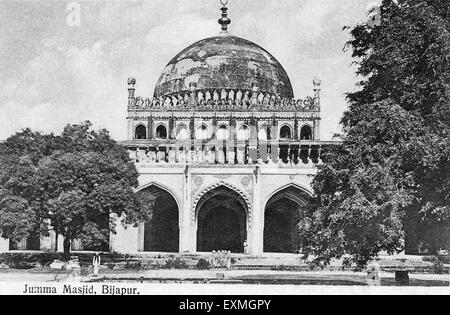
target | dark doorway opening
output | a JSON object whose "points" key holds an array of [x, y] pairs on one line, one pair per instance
{"points": [[141, 133], [222, 217], [161, 232], [285, 133], [306, 133], [282, 216], [161, 132]]}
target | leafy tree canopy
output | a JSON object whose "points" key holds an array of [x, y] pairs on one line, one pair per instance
{"points": [[74, 181], [391, 174]]}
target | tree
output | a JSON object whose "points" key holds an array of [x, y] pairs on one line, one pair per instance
{"points": [[17, 218], [390, 178], [73, 182], [19, 156]]}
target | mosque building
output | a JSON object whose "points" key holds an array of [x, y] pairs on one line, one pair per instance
{"points": [[225, 150]]}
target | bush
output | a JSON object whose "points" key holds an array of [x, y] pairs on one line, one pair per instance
{"points": [[85, 271], [133, 265], [203, 264], [176, 263], [283, 268], [439, 268], [29, 260]]}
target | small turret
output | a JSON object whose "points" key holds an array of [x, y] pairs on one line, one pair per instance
{"points": [[317, 88], [131, 90]]}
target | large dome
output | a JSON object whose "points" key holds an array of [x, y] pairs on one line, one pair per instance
{"points": [[224, 62]]}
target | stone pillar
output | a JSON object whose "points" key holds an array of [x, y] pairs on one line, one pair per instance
{"points": [[233, 131], [316, 131], [171, 132], [60, 244], [188, 237], [141, 237], [126, 239], [192, 126], [253, 141], [130, 129], [4, 245], [46, 243], [256, 241], [214, 128], [232, 141], [53, 240], [150, 134], [231, 154], [274, 133], [240, 154]]}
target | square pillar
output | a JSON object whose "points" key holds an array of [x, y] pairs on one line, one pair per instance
{"points": [[47, 243], [187, 240], [130, 129], [141, 237], [59, 244], [188, 235], [4, 245], [256, 234], [126, 238], [316, 131]]}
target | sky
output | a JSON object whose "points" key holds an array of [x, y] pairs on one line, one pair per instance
{"points": [[59, 67]]}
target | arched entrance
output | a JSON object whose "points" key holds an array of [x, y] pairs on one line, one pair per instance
{"points": [[222, 221], [306, 133], [161, 232], [282, 215], [141, 133]]}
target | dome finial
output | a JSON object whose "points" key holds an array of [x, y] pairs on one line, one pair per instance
{"points": [[224, 20]]}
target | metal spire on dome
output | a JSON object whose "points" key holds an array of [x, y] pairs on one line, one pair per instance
{"points": [[224, 20]]}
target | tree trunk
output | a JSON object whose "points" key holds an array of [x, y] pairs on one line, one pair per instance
{"points": [[66, 246]]}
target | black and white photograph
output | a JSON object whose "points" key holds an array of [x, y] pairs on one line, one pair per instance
{"points": [[224, 148]]}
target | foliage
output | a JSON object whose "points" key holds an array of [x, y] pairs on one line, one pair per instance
{"points": [[203, 264], [28, 260], [133, 265], [176, 263], [391, 175], [75, 181], [17, 218]]}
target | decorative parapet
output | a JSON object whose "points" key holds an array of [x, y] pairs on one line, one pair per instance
{"points": [[271, 154], [206, 102]]}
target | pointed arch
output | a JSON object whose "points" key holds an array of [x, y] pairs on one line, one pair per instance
{"points": [[306, 133], [161, 232], [307, 191], [222, 214], [243, 132], [161, 186], [182, 132], [161, 131], [282, 213], [140, 132], [286, 132], [198, 197], [202, 132]]}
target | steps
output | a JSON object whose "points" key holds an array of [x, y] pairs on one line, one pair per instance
{"points": [[268, 262]]}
